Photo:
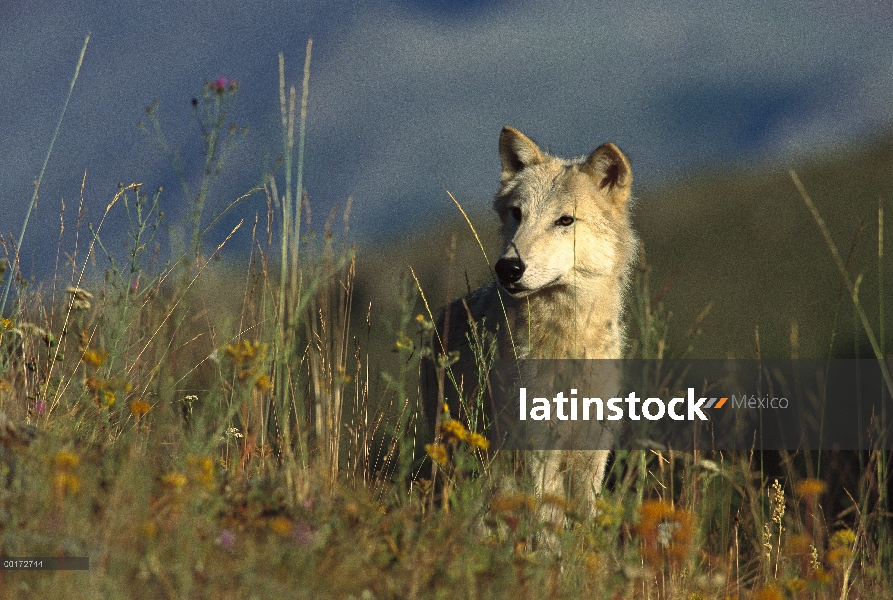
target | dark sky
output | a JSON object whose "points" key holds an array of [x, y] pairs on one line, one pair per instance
{"points": [[407, 98]]}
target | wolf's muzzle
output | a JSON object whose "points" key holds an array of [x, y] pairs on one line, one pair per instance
{"points": [[509, 270]]}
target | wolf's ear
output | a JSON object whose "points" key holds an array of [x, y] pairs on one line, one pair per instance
{"points": [[517, 152], [610, 168]]}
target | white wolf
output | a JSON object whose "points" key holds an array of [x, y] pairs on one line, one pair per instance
{"points": [[561, 279]]}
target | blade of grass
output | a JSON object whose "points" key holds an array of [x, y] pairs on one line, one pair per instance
{"points": [[846, 278], [46, 160]]}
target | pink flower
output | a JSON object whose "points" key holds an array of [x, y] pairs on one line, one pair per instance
{"points": [[40, 407], [227, 539], [221, 85]]}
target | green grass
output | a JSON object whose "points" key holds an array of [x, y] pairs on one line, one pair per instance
{"points": [[250, 429]]}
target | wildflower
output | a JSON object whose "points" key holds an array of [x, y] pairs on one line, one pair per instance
{"points": [[6, 324], [244, 352], [665, 530], [607, 514], [40, 406], [174, 480], [404, 343], [108, 398], [280, 525], [66, 484], [149, 529], [438, 453], [66, 459], [811, 489], [226, 539], [838, 556], [263, 383], [424, 324], [455, 429], [821, 576], [201, 470], [94, 357], [769, 592], [304, 534], [843, 538], [65, 481], [477, 440], [140, 407]]}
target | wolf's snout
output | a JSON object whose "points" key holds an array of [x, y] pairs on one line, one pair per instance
{"points": [[509, 270]]}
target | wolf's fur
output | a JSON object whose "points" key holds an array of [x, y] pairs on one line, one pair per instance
{"points": [[561, 278]]}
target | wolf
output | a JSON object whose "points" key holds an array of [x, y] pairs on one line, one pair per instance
{"points": [[559, 285]]}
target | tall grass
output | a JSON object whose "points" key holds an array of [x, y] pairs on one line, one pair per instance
{"points": [[222, 428]]}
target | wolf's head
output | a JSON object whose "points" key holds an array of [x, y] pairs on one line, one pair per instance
{"points": [[564, 222]]}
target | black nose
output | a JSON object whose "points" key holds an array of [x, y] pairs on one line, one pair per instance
{"points": [[509, 270]]}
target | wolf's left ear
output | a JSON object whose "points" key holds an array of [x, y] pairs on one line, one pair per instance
{"points": [[610, 169]]}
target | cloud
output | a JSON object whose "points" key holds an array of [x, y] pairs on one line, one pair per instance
{"points": [[407, 99]]}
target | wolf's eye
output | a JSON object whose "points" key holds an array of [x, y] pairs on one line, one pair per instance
{"points": [[516, 213], [565, 221]]}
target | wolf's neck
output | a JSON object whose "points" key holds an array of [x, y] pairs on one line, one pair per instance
{"points": [[564, 322]]}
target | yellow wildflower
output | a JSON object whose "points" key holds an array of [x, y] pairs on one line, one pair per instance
{"points": [[843, 538], [66, 459], [476, 439], [201, 470], [108, 398], [281, 525], [149, 529], [244, 351], [811, 488], [403, 342], [665, 531], [438, 453], [95, 357], [65, 484], [838, 556], [263, 382], [821, 577], [174, 480], [140, 407], [454, 428], [769, 592]]}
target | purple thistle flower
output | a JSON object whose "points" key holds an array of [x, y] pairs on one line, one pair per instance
{"points": [[227, 539]]}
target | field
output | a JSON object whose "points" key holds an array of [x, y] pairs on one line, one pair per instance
{"points": [[229, 426]]}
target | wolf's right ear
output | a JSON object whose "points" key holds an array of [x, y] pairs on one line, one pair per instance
{"points": [[517, 152]]}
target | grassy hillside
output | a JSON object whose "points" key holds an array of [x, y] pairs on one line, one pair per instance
{"points": [[742, 242], [204, 431]]}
